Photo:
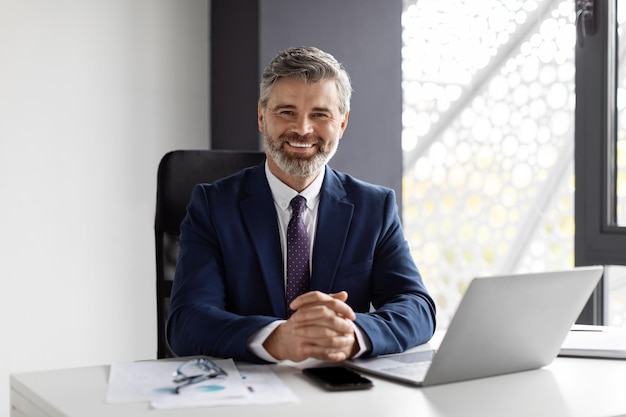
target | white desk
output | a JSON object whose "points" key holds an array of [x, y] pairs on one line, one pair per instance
{"points": [[568, 387]]}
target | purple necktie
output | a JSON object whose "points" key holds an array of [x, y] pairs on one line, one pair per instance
{"points": [[297, 252]]}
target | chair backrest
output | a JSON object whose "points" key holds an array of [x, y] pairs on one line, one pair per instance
{"points": [[178, 173]]}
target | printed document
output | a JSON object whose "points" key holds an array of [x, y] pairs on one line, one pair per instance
{"points": [[151, 381]]}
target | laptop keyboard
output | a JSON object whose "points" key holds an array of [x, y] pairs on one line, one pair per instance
{"points": [[411, 364], [415, 369], [413, 357]]}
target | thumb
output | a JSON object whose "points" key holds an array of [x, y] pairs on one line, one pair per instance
{"points": [[341, 296]]}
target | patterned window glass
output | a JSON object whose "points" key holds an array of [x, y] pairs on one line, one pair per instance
{"points": [[488, 139]]}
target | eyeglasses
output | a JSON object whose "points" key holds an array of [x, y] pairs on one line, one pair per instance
{"points": [[208, 370]]}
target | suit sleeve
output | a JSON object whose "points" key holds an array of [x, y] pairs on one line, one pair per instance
{"points": [[199, 323], [403, 313]]}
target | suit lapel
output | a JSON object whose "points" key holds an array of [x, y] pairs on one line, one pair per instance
{"points": [[333, 222], [259, 215]]}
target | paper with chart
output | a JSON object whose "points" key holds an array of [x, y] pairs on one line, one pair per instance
{"points": [[151, 381]]}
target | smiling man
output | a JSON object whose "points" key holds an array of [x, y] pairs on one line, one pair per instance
{"points": [[291, 259]]}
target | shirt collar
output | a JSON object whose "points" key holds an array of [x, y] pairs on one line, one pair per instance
{"points": [[283, 194]]}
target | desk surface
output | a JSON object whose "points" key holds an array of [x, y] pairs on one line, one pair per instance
{"points": [[567, 387]]}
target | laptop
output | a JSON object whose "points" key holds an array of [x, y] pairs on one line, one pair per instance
{"points": [[587, 341], [504, 324]]}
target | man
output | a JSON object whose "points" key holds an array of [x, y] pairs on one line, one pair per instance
{"points": [[361, 293]]}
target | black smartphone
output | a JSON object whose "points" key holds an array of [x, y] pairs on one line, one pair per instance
{"points": [[337, 378]]}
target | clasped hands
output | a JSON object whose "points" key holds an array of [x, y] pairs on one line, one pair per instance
{"points": [[321, 327]]}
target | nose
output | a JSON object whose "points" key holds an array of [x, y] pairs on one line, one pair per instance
{"points": [[302, 125]]}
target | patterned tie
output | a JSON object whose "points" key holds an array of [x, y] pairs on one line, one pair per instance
{"points": [[297, 252]]}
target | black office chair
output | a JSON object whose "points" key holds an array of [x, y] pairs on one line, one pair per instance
{"points": [[179, 171]]}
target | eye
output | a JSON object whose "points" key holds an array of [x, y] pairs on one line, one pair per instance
{"points": [[320, 115], [285, 113]]}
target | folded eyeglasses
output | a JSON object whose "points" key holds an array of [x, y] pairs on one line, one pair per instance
{"points": [[208, 370]]}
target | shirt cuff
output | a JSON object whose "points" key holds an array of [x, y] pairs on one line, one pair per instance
{"points": [[255, 343], [364, 341]]}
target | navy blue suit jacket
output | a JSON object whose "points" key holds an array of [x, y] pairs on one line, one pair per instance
{"points": [[229, 278]]}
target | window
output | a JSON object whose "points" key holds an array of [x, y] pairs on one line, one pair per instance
{"points": [[500, 104], [488, 139], [600, 168]]}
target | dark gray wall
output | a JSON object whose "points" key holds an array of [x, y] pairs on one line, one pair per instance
{"points": [[365, 35], [234, 74]]}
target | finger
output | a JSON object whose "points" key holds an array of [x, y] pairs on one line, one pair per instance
{"points": [[327, 353], [312, 326], [326, 310], [311, 297], [333, 302]]}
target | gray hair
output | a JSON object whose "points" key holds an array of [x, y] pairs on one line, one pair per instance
{"points": [[311, 65]]}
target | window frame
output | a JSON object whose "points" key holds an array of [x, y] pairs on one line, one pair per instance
{"points": [[598, 239]]}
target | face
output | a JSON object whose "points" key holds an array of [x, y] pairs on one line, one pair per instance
{"points": [[301, 126]]}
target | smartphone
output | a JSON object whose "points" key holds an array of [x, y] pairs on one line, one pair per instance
{"points": [[337, 378]]}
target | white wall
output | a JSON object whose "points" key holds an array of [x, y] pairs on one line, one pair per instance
{"points": [[92, 94]]}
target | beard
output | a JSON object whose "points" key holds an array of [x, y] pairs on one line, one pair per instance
{"points": [[298, 165]]}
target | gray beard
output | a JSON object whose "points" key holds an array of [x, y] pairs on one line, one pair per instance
{"points": [[298, 167]]}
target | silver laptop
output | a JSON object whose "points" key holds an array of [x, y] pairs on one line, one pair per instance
{"points": [[503, 324]]}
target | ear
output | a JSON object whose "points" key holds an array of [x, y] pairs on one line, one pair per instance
{"points": [[344, 124], [259, 111]]}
